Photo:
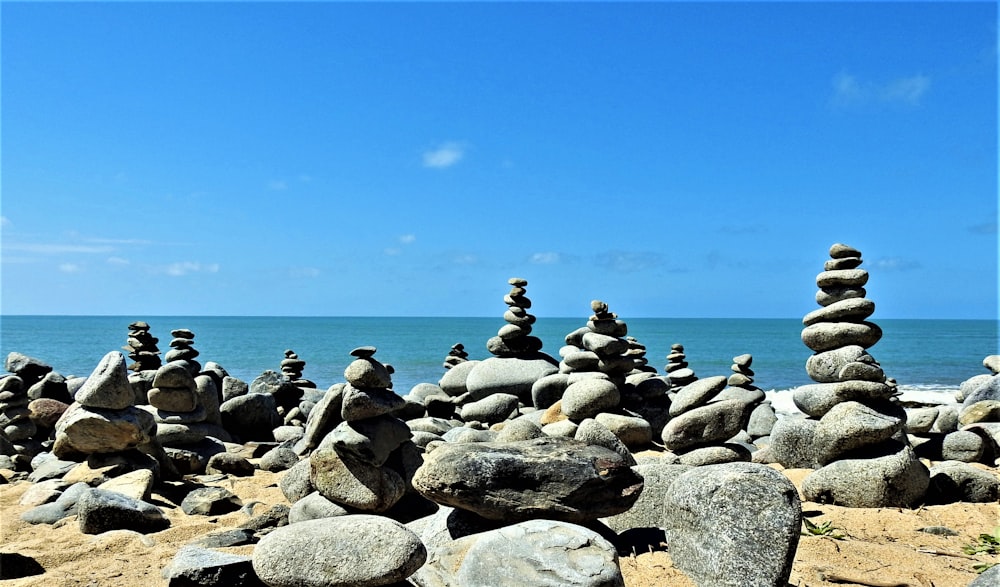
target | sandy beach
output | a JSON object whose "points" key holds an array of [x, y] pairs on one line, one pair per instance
{"points": [[878, 547]]}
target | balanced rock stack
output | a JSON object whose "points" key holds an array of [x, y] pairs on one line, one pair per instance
{"points": [[637, 352], [677, 367], [102, 418], [709, 414], [181, 349], [365, 462], [16, 425], [292, 367], [855, 430], [515, 338], [186, 411], [456, 355], [141, 348]]}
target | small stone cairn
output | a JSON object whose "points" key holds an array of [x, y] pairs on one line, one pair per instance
{"points": [[292, 366], [456, 355], [677, 368], [15, 422], [182, 349], [637, 352], [141, 348], [854, 435], [515, 338], [361, 465]]}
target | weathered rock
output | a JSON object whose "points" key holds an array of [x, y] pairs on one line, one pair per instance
{"points": [[370, 441], [99, 511], [648, 509], [585, 398], [696, 393], [955, 481], [107, 387], [251, 417], [313, 507], [210, 501], [91, 430], [735, 524], [886, 475], [706, 424], [851, 425], [817, 399], [193, 565], [355, 484], [826, 336], [491, 409], [513, 375]]}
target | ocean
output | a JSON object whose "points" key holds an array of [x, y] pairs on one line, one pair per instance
{"points": [[930, 358]]}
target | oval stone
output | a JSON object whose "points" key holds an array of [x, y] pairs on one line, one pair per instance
{"points": [[827, 336]]}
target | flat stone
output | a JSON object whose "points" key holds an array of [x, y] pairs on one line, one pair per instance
{"points": [[886, 475], [90, 430], [210, 501], [696, 393], [826, 336], [849, 310], [354, 484], [817, 399], [99, 511], [707, 424], [193, 565], [586, 398], [853, 278]]}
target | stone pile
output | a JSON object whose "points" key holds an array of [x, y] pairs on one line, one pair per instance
{"points": [[637, 352], [456, 355], [292, 367], [182, 349], [141, 348], [709, 415], [15, 422], [854, 434], [677, 368]]}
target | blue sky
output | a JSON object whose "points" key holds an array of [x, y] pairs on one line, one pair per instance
{"points": [[674, 160]]}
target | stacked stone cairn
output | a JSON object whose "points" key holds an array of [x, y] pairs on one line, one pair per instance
{"points": [[493, 390], [677, 368], [456, 355], [16, 426], [593, 375], [182, 349], [141, 348], [292, 367], [637, 352], [709, 417], [854, 434]]}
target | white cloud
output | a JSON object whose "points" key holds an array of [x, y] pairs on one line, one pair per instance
{"points": [[630, 261], [444, 156], [119, 241], [70, 268], [848, 90], [182, 268], [547, 258], [117, 261], [54, 249], [407, 239], [894, 264]]}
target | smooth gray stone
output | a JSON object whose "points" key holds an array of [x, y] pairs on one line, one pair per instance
{"points": [[562, 428], [433, 425], [540, 553], [992, 362], [25, 367], [826, 336], [920, 420], [491, 409], [229, 463], [422, 391], [705, 425], [828, 366], [275, 516], [453, 380], [279, 458], [296, 482], [842, 278], [225, 538], [751, 396], [849, 310], [963, 445], [886, 475], [604, 345], [988, 578], [762, 420], [355, 484], [518, 429], [634, 432], [818, 398], [461, 434], [947, 419], [193, 565], [313, 507], [288, 433], [107, 387], [346, 551], [99, 511], [51, 469], [208, 399], [174, 374], [792, 442], [735, 524], [587, 397], [251, 417], [366, 373], [210, 501], [186, 435], [447, 524], [648, 509], [581, 360], [91, 430], [594, 432], [510, 375], [830, 295], [324, 417], [988, 390], [610, 327], [851, 425], [370, 441], [955, 481], [233, 387], [970, 385], [554, 478], [362, 403], [842, 251], [548, 390], [716, 455], [696, 393], [651, 388]]}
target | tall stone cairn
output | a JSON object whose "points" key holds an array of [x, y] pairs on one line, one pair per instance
{"points": [[182, 349], [292, 367], [456, 355], [515, 338], [141, 348], [854, 435], [677, 368]]}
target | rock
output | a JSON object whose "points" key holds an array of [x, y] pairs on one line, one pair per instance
{"points": [[749, 514], [210, 501], [762, 420], [277, 459], [312, 507], [963, 445], [792, 443], [705, 425], [91, 430], [594, 432], [848, 310], [251, 417], [886, 475], [346, 551], [648, 509], [107, 387], [826, 336], [511, 375], [225, 538], [14, 565], [984, 411], [830, 366], [989, 390], [817, 399], [296, 483], [587, 397], [992, 362], [634, 432], [99, 511], [921, 420], [536, 552], [491, 409], [988, 578], [716, 455], [136, 484], [955, 481], [209, 568], [453, 380], [355, 484], [518, 429], [359, 404], [851, 425], [229, 464], [552, 478], [370, 441], [695, 394]]}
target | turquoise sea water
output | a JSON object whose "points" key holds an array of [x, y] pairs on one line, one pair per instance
{"points": [[926, 355]]}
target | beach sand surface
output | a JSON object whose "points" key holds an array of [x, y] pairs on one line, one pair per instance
{"points": [[878, 546]]}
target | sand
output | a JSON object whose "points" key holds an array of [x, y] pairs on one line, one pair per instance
{"points": [[879, 546]]}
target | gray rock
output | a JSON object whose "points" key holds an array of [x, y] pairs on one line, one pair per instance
{"points": [[947, 419], [296, 483], [970, 385], [984, 411], [91, 430], [323, 418], [955, 481], [886, 475], [852, 425], [696, 393], [636, 433], [367, 372], [762, 420], [992, 362], [99, 511], [313, 507], [360, 404], [817, 399], [827, 336], [792, 442], [716, 455], [107, 387], [279, 458], [920, 420], [548, 390], [453, 382], [370, 441], [251, 417], [27, 368], [542, 553], [988, 390], [705, 425], [842, 278], [828, 366], [463, 434], [209, 568], [233, 387], [210, 501], [346, 551], [553, 478], [64, 505], [355, 484], [988, 578], [225, 538], [51, 386], [518, 429], [963, 445], [848, 310], [229, 463], [735, 524], [648, 509], [491, 409], [510, 375], [594, 432]]}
